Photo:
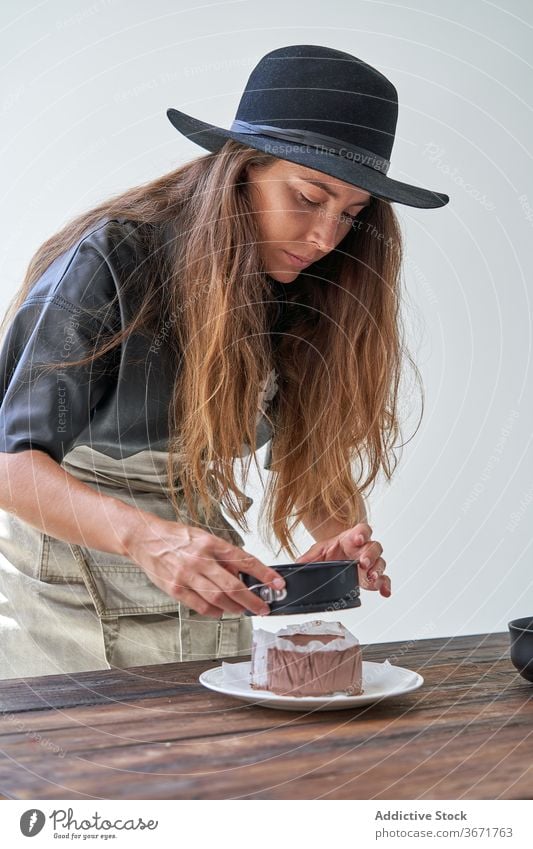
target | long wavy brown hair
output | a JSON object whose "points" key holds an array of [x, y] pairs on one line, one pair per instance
{"points": [[203, 292]]}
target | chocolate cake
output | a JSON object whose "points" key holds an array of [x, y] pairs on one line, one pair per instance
{"points": [[312, 659]]}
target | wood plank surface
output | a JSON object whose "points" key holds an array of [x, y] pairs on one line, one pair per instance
{"points": [[155, 732]]}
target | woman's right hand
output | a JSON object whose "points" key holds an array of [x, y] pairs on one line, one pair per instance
{"points": [[199, 568]]}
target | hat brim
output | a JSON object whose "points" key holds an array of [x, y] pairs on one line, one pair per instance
{"points": [[213, 138]]}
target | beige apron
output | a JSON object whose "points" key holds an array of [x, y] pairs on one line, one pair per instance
{"points": [[68, 608]]}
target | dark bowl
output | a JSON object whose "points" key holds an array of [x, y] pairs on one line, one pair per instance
{"points": [[521, 631], [310, 587]]}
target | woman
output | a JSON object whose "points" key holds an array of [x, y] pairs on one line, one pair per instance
{"points": [[249, 297]]}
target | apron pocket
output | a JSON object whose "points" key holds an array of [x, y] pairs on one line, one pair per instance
{"points": [[118, 587], [168, 638], [141, 640], [141, 624]]}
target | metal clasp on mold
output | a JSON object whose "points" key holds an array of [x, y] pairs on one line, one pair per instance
{"points": [[270, 594]]}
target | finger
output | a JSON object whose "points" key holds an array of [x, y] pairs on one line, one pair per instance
{"points": [[350, 541], [381, 582], [197, 603], [370, 555], [377, 569], [316, 552], [237, 592], [359, 534], [237, 560], [213, 593], [385, 586]]}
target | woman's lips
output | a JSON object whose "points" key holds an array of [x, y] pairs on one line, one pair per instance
{"points": [[297, 261]]}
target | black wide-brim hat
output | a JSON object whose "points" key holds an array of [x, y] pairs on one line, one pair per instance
{"points": [[321, 108]]}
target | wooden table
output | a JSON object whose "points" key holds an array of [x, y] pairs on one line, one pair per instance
{"points": [[154, 732]]}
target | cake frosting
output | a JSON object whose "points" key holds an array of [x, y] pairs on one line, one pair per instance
{"points": [[311, 659]]}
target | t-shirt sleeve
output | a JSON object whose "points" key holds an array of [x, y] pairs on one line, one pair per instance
{"points": [[47, 409], [268, 456], [265, 431]]}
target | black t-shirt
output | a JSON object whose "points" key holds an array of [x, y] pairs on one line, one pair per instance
{"points": [[107, 421]]}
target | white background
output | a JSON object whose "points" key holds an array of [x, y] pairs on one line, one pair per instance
{"points": [[84, 91]]}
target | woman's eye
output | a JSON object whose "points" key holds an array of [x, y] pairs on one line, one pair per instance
{"points": [[306, 200], [351, 218]]}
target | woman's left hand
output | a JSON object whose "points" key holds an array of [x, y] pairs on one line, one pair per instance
{"points": [[354, 544]]}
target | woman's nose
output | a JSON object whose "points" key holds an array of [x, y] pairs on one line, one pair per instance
{"points": [[324, 233]]}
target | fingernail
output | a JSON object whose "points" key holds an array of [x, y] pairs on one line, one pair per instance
{"points": [[279, 583], [264, 610]]}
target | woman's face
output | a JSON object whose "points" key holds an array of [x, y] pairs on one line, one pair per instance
{"points": [[302, 212]]}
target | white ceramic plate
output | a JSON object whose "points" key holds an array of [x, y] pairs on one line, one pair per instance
{"points": [[380, 681]]}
